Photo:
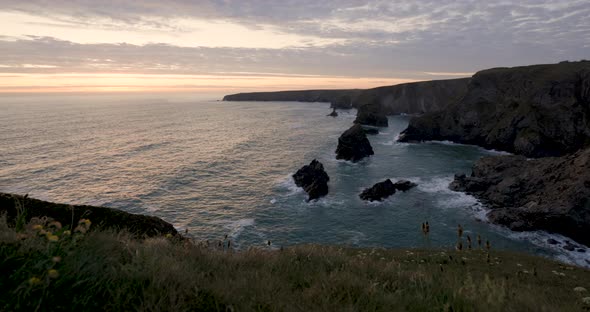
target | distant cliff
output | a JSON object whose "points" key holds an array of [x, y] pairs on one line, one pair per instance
{"points": [[536, 111], [299, 96], [408, 98]]}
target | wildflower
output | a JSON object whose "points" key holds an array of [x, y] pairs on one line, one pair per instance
{"points": [[37, 227], [67, 232], [580, 289], [52, 273], [42, 232], [34, 281], [85, 221], [52, 238], [56, 259], [168, 235]]}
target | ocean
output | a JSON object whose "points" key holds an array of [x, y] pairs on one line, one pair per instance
{"points": [[224, 168]]}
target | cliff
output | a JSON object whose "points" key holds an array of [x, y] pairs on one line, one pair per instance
{"points": [[102, 217], [298, 96], [407, 98], [550, 194], [415, 97], [536, 111]]}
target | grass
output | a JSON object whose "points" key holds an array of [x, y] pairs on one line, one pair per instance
{"points": [[115, 271]]}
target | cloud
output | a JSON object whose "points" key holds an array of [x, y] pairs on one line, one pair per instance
{"points": [[381, 39]]}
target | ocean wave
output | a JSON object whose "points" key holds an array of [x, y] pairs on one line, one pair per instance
{"points": [[451, 143], [237, 227], [288, 184]]}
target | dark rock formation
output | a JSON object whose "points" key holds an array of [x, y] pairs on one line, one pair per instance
{"points": [[378, 191], [353, 144], [333, 113], [313, 179], [342, 102], [536, 111], [330, 96], [551, 194], [101, 217], [371, 131], [371, 115], [414, 97], [404, 185], [407, 98], [385, 189]]}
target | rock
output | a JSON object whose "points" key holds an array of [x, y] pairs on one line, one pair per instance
{"points": [[550, 194], [313, 179], [371, 114], [535, 111], [101, 217], [582, 250], [404, 185], [333, 113], [552, 241], [371, 131], [342, 102], [353, 144], [378, 191]]}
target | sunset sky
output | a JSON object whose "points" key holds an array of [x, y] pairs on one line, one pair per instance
{"points": [[222, 46]]}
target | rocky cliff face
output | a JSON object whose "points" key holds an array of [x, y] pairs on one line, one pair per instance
{"points": [[407, 98], [536, 111], [415, 97], [551, 194], [353, 144]]}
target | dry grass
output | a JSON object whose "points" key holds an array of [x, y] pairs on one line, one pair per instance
{"points": [[102, 270]]}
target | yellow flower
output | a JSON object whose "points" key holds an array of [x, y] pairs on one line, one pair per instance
{"points": [[56, 259], [67, 232], [85, 221], [168, 235], [37, 227], [52, 273], [52, 238], [33, 281]]}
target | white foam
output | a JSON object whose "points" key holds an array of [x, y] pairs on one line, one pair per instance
{"points": [[288, 184], [273, 201], [489, 151], [236, 227], [540, 238]]}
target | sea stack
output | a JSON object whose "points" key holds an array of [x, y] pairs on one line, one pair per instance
{"points": [[333, 113], [384, 189], [371, 115], [353, 144], [313, 179]]}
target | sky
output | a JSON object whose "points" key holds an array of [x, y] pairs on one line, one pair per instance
{"points": [[224, 46]]}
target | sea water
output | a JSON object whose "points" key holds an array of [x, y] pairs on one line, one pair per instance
{"points": [[224, 168]]}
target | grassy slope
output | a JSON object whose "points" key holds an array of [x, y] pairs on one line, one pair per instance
{"points": [[102, 270]]}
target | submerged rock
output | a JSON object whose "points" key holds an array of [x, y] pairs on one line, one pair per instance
{"points": [[313, 179], [371, 131], [371, 114], [333, 113], [404, 185], [353, 144], [379, 191], [550, 194]]}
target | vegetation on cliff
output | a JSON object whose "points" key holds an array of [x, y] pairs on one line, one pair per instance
{"points": [[48, 266]]}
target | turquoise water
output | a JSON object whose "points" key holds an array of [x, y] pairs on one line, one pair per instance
{"points": [[218, 168]]}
